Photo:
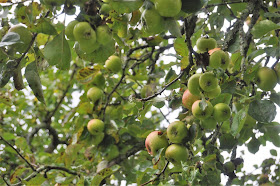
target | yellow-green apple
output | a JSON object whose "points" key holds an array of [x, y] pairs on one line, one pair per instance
{"points": [[168, 8], [176, 153], [277, 70], [219, 59], [103, 34], [94, 94], [95, 126], [193, 84], [201, 113], [208, 81], [114, 64], [222, 112], [188, 99], [266, 78], [177, 131], [205, 44], [155, 141], [69, 29], [213, 93]]}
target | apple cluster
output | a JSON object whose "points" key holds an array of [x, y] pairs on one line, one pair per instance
{"points": [[154, 16], [172, 141], [88, 39]]}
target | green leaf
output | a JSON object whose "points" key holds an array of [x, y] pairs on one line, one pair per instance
{"points": [[103, 174], [275, 97], [6, 72], [57, 52], [238, 121], [10, 38], [126, 6], [181, 47], [174, 28], [222, 98], [263, 27], [254, 145], [273, 152], [272, 51], [262, 110], [44, 26], [34, 82]]}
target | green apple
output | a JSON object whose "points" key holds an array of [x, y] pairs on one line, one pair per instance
{"points": [[193, 84], [105, 9], [83, 32], [152, 22], [99, 80], [176, 153], [155, 141], [25, 36], [266, 78], [219, 59], [222, 112], [177, 131], [229, 167], [103, 34], [198, 111], [277, 70], [209, 123], [69, 29], [191, 6], [114, 64], [94, 94], [208, 81], [188, 99], [168, 8], [213, 93], [95, 126], [205, 44]]}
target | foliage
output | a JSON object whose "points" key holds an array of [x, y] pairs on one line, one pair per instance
{"points": [[44, 109]]}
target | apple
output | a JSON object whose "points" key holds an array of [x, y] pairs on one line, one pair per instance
{"points": [[191, 6], [152, 22], [199, 113], [25, 36], [105, 9], [114, 64], [219, 59], [95, 126], [193, 84], [209, 123], [213, 93], [222, 112], [103, 34], [99, 80], [69, 29], [155, 141], [168, 8], [188, 99], [176, 153], [204, 44], [277, 70], [208, 81], [94, 94], [266, 78], [177, 131], [97, 138]]}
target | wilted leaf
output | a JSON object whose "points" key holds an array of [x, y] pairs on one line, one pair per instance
{"points": [[34, 82]]}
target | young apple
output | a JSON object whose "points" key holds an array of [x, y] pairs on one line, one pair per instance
{"points": [[219, 59], [177, 131], [193, 84], [114, 64], [213, 93], [69, 30], [199, 113], [222, 112], [168, 8], [205, 44], [176, 153], [153, 23], [94, 94], [155, 141], [95, 126], [103, 34], [188, 99], [208, 81], [277, 70], [266, 78]]}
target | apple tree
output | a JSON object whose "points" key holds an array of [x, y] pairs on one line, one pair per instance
{"points": [[141, 92]]}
